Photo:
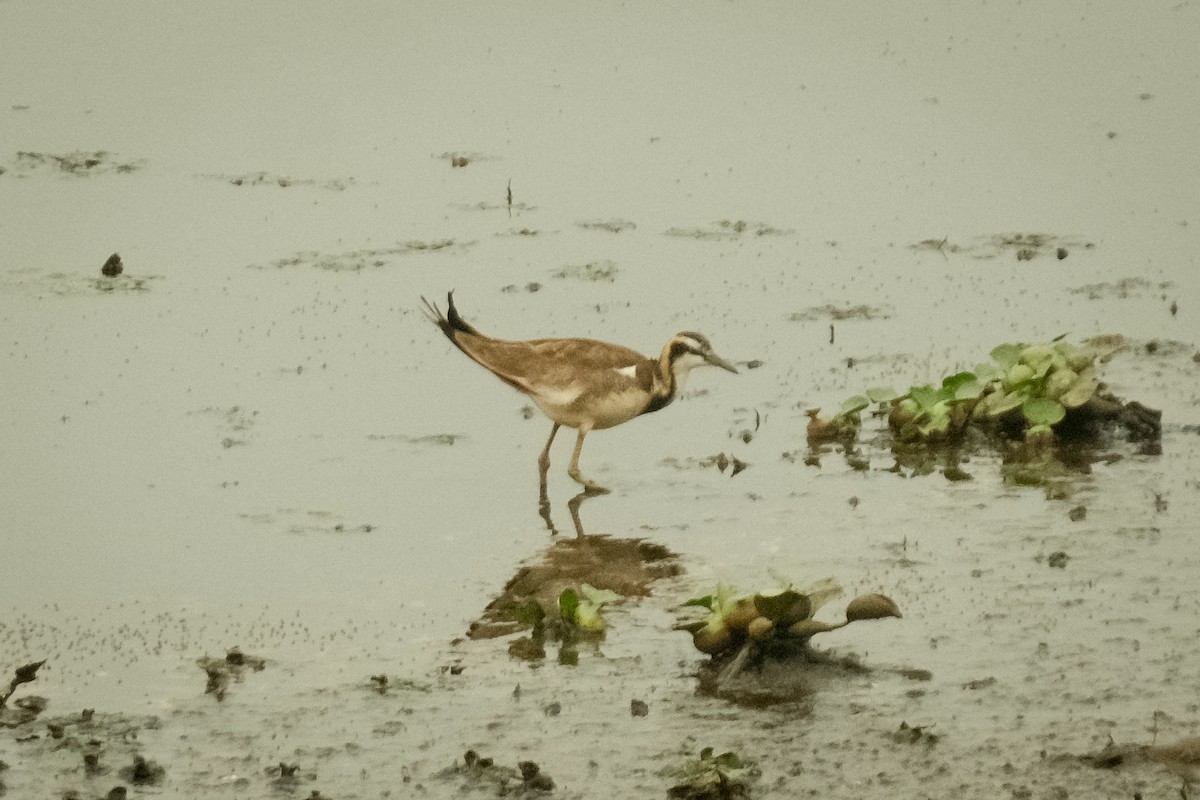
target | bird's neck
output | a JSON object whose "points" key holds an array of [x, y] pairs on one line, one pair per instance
{"points": [[665, 385]]}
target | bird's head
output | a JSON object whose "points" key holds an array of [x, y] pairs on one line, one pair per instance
{"points": [[688, 350]]}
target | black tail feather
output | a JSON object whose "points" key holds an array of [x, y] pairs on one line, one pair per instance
{"points": [[452, 321]]}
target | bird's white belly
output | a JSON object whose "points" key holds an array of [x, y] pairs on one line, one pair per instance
{"points": [[605, 411]]}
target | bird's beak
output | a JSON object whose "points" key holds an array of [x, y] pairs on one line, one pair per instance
{"points": [[717, 361]]}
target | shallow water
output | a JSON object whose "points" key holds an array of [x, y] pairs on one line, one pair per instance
{"points": [[255, 439]]}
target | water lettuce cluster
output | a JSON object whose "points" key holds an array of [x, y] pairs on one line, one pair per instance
{"points": [[734, 619], [1036, 385]]}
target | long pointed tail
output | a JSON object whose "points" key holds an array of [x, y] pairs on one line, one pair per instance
{"points": [[452, 321]]}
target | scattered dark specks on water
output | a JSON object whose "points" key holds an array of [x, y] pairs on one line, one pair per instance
{"points": [[113, 266], [981, 683], [1058, 559], [638, 708], [117, 793], [553, 709], [457, 669], [753, 363], [853, 501], [1061, 253], [1077, 513]]}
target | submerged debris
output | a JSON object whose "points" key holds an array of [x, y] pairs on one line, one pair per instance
{"points": [[142, 772], [480, 772], [80, 163], [221, 671], [113, 266]]}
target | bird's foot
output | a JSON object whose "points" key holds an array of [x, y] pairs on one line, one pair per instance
{"points": [[589, 487]]}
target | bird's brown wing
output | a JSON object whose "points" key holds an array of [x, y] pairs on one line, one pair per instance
{"points": [[556, 365]]}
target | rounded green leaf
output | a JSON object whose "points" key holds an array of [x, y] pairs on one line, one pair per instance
{"points": [[1001, 403], [854, 404], [881, 394], [1006, 355], [1035, 354], [1017, 375], [1081, 391], [970, 390], [1043, 411], [953, 382]]}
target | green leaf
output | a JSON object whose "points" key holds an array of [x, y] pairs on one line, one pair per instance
{"points": [[1036, 354], [1018, 375], [987, 373], [724, 599], [568, 603], [1081, 391], [599, 597], [587, 617], [1000, 403], [854, 405], [927, 397], [1043, 411], [952, 382], [702, 602], [1006, 355], [970, 390], [881, 394]]}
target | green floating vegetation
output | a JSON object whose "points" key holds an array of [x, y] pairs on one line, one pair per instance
{"points": [[711, 775], [579, 620], [735, 619], [1032, 387]]}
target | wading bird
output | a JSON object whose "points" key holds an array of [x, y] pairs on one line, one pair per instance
{"points": [[581, 383]]}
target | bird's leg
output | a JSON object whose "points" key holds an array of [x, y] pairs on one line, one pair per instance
{"points": [[544, 458], [573, 469], [543, 468]]}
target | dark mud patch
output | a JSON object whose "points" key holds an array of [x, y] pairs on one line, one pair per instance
{"points": [[281, 181], [531, 287], [367, 258], [1024, 246], [458, 159], [297, 522], [607, 225], [80, 163], [1122, 289], [839, 313], [721, 461], [233, 424], [39, 283], [488, 205], [445, 439], [1181, 758], [627, 567], [593, 271], [727, 230]]}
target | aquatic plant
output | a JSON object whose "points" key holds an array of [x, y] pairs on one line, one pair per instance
{"points": [[1030, 387], [786, 616], [584, 612], [711, 776]]}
